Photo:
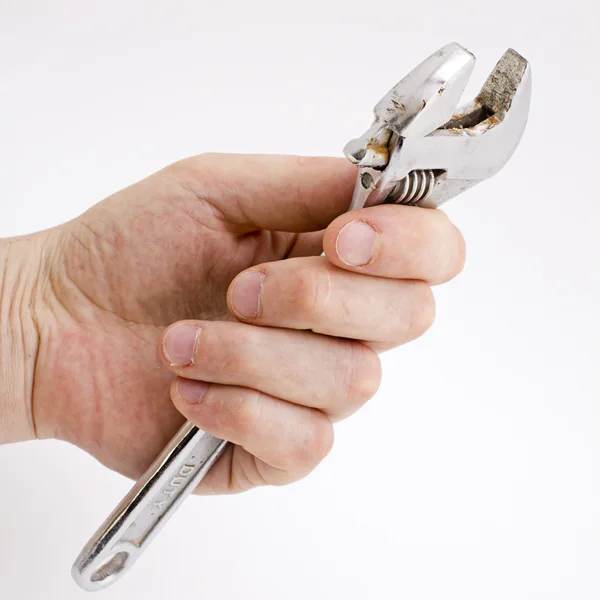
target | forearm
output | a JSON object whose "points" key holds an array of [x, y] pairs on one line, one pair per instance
{"points": [[19, 272]]}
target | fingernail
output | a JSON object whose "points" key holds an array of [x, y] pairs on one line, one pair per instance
{"points": [[355, 243], [246, 294], [180, 345], [191, 391]]}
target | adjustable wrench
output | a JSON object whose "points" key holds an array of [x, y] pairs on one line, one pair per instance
{"points": [[420, 151]]}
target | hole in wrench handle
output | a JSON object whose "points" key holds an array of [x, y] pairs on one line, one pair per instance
{"points": [[150, 503]]}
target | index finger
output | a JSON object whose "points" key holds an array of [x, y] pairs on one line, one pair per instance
{"points": [[399, 242], [280, 193]]}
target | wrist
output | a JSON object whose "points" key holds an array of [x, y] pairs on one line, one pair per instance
{"points": [[19, 340]]}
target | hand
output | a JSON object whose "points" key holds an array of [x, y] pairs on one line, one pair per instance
{"points": [[271, 342]]}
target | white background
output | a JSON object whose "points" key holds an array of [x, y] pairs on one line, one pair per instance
{"points": [[475, 472]]}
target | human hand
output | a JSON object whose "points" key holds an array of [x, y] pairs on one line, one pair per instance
{"points": [[271, 342]]}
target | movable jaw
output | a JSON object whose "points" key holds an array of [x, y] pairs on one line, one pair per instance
{"points": [[423, 101], [420, 150]]}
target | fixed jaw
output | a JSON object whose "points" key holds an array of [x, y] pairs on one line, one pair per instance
{"points": [[422, 150]]}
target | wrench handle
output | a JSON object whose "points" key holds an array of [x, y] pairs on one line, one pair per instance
{"points": [[150, 503]]}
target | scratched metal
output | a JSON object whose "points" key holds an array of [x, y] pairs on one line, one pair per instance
{"points": [[422, 149], [147, 507]]}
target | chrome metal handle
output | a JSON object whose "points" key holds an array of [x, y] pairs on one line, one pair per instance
{"points": [[122, 538]]}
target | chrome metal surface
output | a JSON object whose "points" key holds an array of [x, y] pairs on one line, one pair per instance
{"points": [[125, 534], [413, 189], [418, 128]]}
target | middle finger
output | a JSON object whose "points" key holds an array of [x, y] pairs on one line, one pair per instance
{"points": [[311, 293]]}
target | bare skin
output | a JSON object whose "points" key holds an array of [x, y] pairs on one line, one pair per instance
{"points": [[200, 293]]}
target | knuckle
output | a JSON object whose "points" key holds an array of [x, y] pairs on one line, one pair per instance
{"points": [[422, 314], [449, 258], [433, 225], [431, 239], [192, 164], [219, 358], [230, 361], [460, 255], [313, 445], [425, 229], [361, 375], [320, 440], [313, 292], [183, 170], [245, 412], [195, 175]]}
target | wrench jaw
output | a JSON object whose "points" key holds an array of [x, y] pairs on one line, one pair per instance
{"points": [[483, 136], [420, 103], [460, 150]]}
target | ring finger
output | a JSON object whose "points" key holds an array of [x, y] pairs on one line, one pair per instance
{"points": [[334, 375]]}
